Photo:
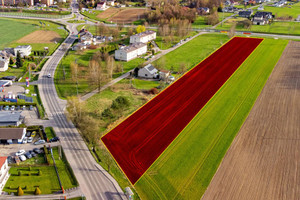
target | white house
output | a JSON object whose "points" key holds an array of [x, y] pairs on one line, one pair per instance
{"points": [[4, 61], [130, 52], [143, 37], [149, 71], [4, 175], [25, 50], [101, 6], [110, 2]]}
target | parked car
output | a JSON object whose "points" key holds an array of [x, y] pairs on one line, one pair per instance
{"points": [[36, 150], [12, 108], [28, 134], [33, 134], [22, 158], [6, 108], [17, 159], [24, 107], [40, 142], [32, 154], [54, 139], [30, 107], [18, 108], [28, 155], [49, 75], [24, 140], [20, 152], [29, 140], [1, 107]]}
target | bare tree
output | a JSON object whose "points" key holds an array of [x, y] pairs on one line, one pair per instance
{"points": [[231, 32], [97, 75], [74, 71], [110, 63]]}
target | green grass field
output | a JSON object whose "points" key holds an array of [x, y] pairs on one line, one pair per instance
{"points": [[12, 30], [201, 23], [187, 166], [193, 52], [144, 84], [288, 10]]}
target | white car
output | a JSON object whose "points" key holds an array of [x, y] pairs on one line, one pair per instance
{"points": [[24, 140], [40, 142], [49, 75], [20, 152], [29, 140], [22, 157]]}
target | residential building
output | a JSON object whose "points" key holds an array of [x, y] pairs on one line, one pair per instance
{"points": [[143, 37], [25, 50], [203, 10], [101, 6], [262, 18], [4, 62], [164, 74], [149, 71], [246, 13], [47, 2], [12, 135], [11, 118], [15, 2], [4, 175], [110, 3], [130, 52]]}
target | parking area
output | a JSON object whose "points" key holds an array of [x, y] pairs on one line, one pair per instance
{"points": [[13, 89]]}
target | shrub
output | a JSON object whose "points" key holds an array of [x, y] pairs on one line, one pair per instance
{"points": [[40, 173], [107, 114], [20, 191], [119, 103], [37, 191], [19, 173], [153, 91]]}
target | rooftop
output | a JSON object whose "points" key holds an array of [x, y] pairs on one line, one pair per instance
{"points": [[9, 117], [11, 133], [2, 161], [145, 33], [133, 47], [23, 47]]}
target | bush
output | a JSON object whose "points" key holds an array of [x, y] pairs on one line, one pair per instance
{"points": [[20, 191], [19, 173], [119, 103], [153, 91], [40, 173], [107, 114], [37, 191]]}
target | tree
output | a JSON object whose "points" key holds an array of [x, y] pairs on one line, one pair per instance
{"points": [[110, 64], [120, 103], [97, 75], [140, 29], [74, 71], [11, 60], [37, 191], [182, 68], [19, 61], [74, 108], [20, 192]]}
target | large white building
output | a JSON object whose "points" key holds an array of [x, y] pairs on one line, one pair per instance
{"points": [[143, 37], [25, 50], [4, 175], [130, 52], [4, 62]]}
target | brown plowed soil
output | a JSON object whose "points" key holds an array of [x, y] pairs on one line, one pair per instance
{"points": [[108, 13], [263, 161], [40, 37], [128, 15]]}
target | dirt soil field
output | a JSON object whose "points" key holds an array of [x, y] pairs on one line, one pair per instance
{"points": [[41, 37], [263, 160], [128, 15], [108, 13]]}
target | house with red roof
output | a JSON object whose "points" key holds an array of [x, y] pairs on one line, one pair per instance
{"points": [[4, 175]]}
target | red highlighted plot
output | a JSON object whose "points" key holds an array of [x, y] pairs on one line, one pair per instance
{"points": [[139, 140]]}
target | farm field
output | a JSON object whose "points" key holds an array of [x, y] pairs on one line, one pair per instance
{"points": [[128, 15], [23, 32], [262, 160], [202, 46], [187, 166], [139, 140], [200, 20], [108, 13], [12, 30]]}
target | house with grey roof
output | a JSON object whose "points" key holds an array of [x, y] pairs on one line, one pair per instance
{"points": [[12, 135], [130, 52], [11, 118], [149, 71]]}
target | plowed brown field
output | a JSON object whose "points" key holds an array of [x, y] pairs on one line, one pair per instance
{"points": [[108, 13], [41, 37], [263, 161], [128, 15]]}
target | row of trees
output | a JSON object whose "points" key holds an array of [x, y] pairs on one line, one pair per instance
{"points": [[174, 27]]}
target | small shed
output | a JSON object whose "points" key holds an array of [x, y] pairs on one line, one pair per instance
{"points": [[12, 135]]}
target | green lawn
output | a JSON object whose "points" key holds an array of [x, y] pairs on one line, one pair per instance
{"points": [[50, 132], [288, 28], [201, 23], [93, 15], [288, 10], [144, 84], [193, 52], [187, 166], [12, 30]]}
